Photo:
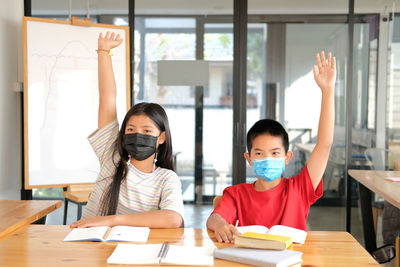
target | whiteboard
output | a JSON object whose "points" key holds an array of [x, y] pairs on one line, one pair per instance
{"points": [[61, 99]]}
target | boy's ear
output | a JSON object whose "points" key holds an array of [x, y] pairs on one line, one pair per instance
{"points": [[161, 138], [288, 157], [247, 157]]}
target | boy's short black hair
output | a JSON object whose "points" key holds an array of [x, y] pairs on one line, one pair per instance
{"points": [[267, 126]]}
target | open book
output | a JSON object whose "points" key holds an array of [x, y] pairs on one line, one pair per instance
{"points": [[165, 254], [297, 235], [105, 233]]}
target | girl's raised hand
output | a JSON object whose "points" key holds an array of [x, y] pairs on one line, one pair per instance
{"points": [[325, 72], [109, 41]]}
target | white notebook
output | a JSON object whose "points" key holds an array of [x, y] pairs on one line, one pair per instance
{"points": [[105, 233], [165, 254], [297, 235], [260, 257]]}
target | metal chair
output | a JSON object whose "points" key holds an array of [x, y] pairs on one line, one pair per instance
{"points": [[78, 194]]}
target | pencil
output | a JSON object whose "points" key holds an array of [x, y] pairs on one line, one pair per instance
{"points": [[237, 223]]}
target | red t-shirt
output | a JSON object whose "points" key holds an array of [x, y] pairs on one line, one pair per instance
{"points": [[286, 204]]}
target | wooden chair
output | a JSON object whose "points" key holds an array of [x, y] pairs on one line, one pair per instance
{"points": [[78, 194], [216, 200]]}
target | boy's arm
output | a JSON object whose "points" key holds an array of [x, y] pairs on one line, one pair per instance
{"points": [[107, 87], [325, 76], [224, 232]]}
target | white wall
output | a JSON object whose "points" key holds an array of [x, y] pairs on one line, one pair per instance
{"points": [[11, 13]]}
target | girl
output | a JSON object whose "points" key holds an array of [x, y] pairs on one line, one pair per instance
{"points": [[136, 184]]}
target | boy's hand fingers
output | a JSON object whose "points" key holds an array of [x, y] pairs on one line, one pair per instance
{"points": [[323, 59], [315, 70], [218, 237], [101, 35], [329, 59], [333, 63], [235, 231], [318, 61]]}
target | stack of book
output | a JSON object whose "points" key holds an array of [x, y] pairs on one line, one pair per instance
{"points": [[265, 247]]}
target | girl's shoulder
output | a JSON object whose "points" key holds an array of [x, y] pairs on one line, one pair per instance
{"points": [[167, 173]]}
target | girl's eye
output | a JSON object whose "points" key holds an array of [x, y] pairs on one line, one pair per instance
{"points": [[147, 131], [129, 130]]}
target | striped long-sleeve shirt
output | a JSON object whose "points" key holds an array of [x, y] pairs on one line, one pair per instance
{"points": [[140, 191]]}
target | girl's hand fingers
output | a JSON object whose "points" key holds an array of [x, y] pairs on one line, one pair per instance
{"points": [[118, 37], [112, 36], [107, 35]]}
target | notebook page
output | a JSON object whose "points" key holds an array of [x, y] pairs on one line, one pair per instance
{"points": [[252, 228], [189, 255], [128, 233], [297, 235], [87, 234], [135, 254]]}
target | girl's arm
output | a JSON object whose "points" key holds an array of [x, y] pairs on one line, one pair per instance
{"points": [[152, 219], [107, 87]]}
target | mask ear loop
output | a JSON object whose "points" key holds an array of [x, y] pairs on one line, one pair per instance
{"points": [[154, 162]]}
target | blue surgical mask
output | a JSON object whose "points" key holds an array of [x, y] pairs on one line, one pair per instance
{"points": [[269, 169]]}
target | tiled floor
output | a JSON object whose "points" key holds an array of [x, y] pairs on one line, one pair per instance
{"points": [[320, 218]]}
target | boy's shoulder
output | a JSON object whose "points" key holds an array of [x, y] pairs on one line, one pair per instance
{"points": [[239, 188]]}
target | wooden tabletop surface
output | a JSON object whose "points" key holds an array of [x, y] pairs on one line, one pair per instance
{"points": [[15, 214], [42, 245], [375, 181]]}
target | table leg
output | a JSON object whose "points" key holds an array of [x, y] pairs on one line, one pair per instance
{"points": [[366, 216], [79, 211], [65, 211]]}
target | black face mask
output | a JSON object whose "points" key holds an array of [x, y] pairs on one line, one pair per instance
{"points": [[140, 146]]}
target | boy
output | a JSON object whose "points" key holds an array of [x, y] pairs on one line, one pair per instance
{"points": [[272, 200]]}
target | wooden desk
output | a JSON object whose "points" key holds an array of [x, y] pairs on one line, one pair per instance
{"points": [[371, 180], [15, 214], [374, 181], [42, 245]]}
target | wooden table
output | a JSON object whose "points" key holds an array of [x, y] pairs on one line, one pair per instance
{"points": [[15, 214], [42, 245], [371, 180]]}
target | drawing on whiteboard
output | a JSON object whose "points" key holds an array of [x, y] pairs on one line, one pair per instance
{"points": [[63, 101]]}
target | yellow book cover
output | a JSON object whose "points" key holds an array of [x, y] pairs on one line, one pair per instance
{"points": [[266, 241]]}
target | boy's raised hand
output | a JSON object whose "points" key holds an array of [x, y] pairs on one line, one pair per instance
{"points": [[325, 71], [109, 41]]}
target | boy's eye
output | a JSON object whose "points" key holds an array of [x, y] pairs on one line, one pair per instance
{"points": [[276, 153], [258, 153]]}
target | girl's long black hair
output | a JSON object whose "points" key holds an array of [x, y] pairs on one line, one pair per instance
{"points": [[156, 113]]}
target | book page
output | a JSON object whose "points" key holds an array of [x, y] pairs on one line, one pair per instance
{"points": [[252, 228], [135, 254], [189, 255], [87, 234], [128, 233], [297, 235]]}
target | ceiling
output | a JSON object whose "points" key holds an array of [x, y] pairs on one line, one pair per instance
{"points": [[210, 7]]}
